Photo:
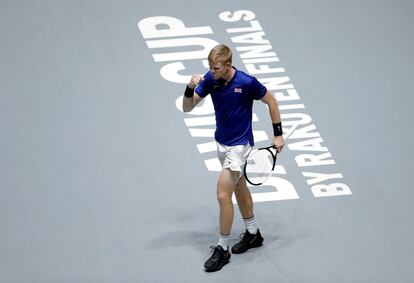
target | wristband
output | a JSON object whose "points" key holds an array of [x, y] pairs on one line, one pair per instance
{"points": [[277, 129], [189, 92]]}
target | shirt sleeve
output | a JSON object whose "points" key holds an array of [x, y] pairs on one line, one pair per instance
{"points": [[258, 89], [205, 87]]}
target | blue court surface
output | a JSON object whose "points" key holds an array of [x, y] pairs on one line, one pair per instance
{"points": [[103, 178]]}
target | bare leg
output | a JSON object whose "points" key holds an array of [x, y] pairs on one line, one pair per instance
{"points": [[244, 198], [225, 188]]}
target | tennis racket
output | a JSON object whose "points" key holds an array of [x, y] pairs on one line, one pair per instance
{"points": [[260, 164]]}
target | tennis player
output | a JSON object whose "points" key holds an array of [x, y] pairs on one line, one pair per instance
{"points": [[232, 92]]}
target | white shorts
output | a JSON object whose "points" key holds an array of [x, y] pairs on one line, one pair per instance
{"points": [[233, 157]]}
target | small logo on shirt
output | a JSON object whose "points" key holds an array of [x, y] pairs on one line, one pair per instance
{"points": [[237, 90]]}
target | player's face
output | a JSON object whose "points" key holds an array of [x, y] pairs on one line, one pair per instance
{"points": [[219, 69]]}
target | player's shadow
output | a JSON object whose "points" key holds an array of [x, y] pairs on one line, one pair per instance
{"points": [[201, 240], [175, 239], [279, 235]]}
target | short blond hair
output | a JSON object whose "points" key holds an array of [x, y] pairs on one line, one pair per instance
{"points": [[220, 53]]}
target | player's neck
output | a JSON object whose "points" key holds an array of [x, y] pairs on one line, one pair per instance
{"points": [[229, 75]]}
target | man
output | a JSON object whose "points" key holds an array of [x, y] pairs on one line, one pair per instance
{"points": [[233, 93]]}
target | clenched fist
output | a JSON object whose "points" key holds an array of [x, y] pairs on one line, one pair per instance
{"points": [[195, 80]]}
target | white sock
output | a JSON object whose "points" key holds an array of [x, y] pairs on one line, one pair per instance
{"points": [[250, 224], [223, 241]]}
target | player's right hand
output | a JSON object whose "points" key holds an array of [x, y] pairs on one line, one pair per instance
{"points": [[195, 80]]}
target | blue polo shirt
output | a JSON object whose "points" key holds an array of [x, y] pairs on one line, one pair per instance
{"points": [[233, 105]]}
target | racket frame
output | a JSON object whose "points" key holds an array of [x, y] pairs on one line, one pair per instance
{"points": [[274, 156]]}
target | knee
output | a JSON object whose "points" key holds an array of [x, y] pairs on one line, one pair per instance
{"points": [[223, 197]]}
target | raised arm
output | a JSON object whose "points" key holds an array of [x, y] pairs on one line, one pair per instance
{"points": [[191, 98]]}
